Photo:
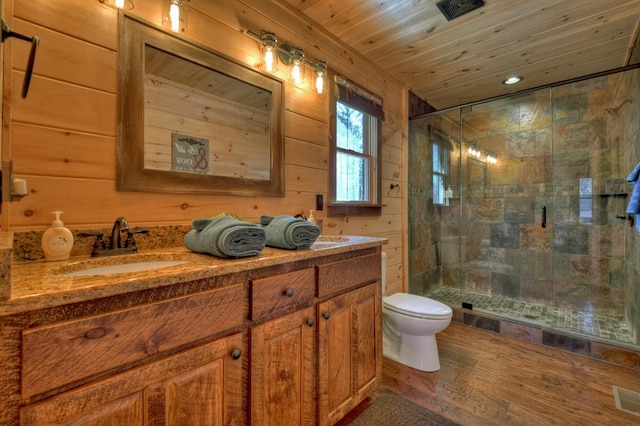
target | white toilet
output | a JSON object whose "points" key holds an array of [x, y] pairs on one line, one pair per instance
{"points": [[409, 326]]}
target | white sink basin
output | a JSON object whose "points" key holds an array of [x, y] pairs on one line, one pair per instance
{"points": [[325, 241], [125, 268]]}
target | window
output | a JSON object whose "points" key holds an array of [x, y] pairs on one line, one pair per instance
{"points": [[441, 146], [440, 172], [355, 149]]}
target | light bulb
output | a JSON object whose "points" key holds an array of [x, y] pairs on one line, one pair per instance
{"points": [[319, 84], [120, 4], [174, 16], [320, 68], [268, 59], [296, 73]]}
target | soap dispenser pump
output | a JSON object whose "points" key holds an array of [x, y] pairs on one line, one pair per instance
{"points": [[57, 241], [311, 218]]}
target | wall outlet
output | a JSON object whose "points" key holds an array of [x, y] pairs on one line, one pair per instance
{"points": [[319, 202]]}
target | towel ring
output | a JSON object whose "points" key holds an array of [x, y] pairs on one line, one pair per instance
{"points": [[6, 33]]}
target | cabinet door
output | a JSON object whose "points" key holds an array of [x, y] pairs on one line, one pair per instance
{"points": [[350, 351], [282, 370], [203, 385]]}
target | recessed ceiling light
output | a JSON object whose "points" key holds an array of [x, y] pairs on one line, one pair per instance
{"points": [[512, 80]]}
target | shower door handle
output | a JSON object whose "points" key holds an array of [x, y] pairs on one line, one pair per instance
{"points": [[544, 216]]}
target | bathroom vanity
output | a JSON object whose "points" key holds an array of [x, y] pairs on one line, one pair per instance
{"points": [[287, 335]]}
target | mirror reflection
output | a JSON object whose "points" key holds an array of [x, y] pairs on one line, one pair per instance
{"points": [[197, 120], [194, 121]]}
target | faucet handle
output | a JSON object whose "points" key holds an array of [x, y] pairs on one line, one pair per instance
{"points": [[98, 244], [130, 242]]}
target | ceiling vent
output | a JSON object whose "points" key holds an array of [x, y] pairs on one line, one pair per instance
{"points": [[452, 9]]}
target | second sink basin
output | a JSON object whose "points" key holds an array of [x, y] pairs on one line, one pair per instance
{"points": [[325, 241], [125, 268]]}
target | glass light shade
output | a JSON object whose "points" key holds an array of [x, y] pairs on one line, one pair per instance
{"points": [[118, 4], [297, 66], [320, 70], [269, 52], [175, 16]]}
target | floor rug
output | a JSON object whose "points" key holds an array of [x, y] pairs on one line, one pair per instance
{"points": [[390, 409]]}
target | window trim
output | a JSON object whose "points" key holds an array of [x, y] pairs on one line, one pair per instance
{"points": [[350, 94]]}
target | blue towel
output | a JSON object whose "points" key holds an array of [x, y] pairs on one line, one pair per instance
{"points": [[225, 236], [288, 232], [634, 203]]}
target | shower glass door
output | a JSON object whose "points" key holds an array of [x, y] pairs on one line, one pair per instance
{"points": [[542, 184]]}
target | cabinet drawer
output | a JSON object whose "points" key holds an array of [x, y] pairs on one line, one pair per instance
{"points": [[281, 293], [340, 276], [61, 353]]}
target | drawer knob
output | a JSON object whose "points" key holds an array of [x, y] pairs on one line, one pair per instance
{"points": [[236, 353], [289, 292], [310, 322], [326, 315]]}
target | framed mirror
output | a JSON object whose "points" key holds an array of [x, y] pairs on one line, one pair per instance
{"points": [[193, 121]]}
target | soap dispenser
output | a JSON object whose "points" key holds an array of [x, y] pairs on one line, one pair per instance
{"points": [[57, 241], [311, 218], [448, 194]]}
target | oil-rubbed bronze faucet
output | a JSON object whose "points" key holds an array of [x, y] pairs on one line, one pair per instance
{"points": [[119, 225], [115, 245]]}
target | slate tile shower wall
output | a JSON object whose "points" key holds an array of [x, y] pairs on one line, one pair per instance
{"points": [[568, 149], [429, 257], [631, 119], [557, 150]]}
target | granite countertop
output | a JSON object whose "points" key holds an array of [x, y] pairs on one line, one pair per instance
{"points": [[40, 284]]}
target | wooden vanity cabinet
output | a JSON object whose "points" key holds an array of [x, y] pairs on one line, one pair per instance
{"points": [[200, 386], [203, 383], [282, 350], [297, 343], [349, 335]]}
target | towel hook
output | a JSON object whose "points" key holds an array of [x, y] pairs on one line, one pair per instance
{"points": [[6, 33]]}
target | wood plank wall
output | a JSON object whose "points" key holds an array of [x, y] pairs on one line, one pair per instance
{"points": [[61, 138]]}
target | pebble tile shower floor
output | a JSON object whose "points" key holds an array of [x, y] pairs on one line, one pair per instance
{"points": [[586, 323]]}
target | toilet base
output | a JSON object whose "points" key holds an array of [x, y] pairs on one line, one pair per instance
{"points": [[419, 352]]}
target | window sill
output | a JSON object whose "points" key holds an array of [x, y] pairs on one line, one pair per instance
{"points": [[354, 210]]}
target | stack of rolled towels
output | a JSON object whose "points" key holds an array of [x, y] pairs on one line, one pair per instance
{"points": [[225, 236], [289, 232]]}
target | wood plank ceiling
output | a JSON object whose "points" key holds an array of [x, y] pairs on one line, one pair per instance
{"points": [[450, 63]]}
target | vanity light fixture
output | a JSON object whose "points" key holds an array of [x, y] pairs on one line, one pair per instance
{"points": [[269, 52], [175, 15], [474, 152], [118, 4], [320, 70], [512, 80]]}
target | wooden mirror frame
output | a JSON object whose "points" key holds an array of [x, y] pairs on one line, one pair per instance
{"points": [[131, 174]]}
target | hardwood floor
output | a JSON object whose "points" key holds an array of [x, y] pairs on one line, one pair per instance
{"points": [[489, 379]]}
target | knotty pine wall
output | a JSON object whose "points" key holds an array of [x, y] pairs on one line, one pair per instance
{"points": [[61, 138]]}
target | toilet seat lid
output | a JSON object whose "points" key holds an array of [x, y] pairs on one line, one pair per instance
{"points": [[414, 305]]}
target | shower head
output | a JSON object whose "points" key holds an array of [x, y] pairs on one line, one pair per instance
{"points": [[614, 111]]}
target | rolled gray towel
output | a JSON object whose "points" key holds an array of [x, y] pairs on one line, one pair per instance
{"points": [[225, 236], [288, 232]]}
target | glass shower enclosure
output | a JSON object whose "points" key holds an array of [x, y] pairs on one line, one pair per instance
{"points": [[517, 206]]}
